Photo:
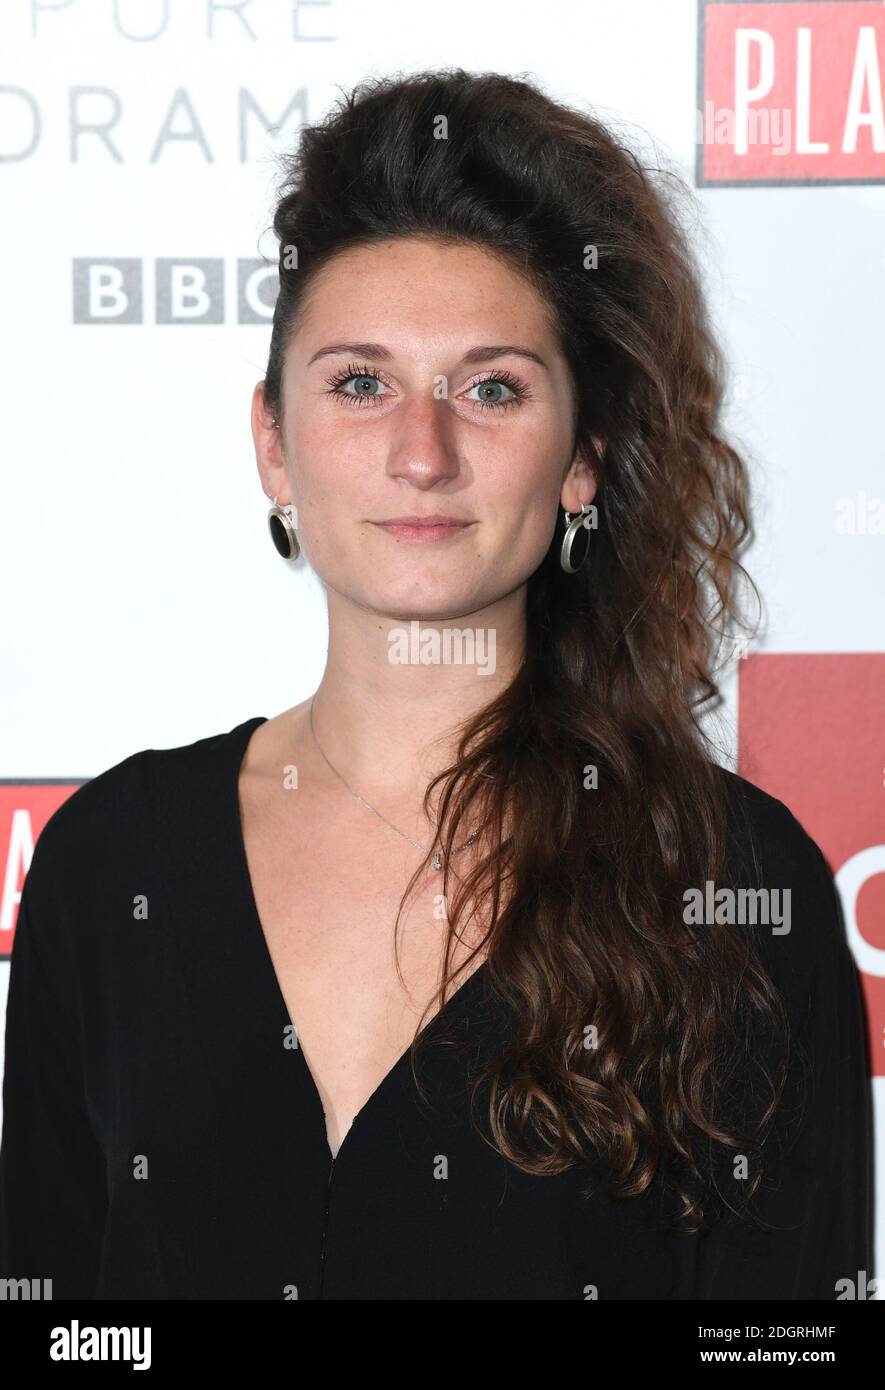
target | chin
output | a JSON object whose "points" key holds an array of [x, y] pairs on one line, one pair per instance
{"points": [[409, 609], [408, 602]]}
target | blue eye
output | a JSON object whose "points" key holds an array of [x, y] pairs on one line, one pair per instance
{"points": [[367, 384], [492, 392]]}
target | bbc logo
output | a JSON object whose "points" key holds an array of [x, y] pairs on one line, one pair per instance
{"points": [[181, 291]]}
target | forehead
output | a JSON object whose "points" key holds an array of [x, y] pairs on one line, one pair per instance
{"points": [[417, 293]]}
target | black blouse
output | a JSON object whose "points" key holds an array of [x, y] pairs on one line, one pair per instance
{"points": [[163, 1138]]}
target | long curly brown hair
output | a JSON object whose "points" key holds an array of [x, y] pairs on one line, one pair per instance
{"points": [[620, 657]]}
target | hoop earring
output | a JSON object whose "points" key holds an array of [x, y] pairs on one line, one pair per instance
{"points": [[580, 523], [281, 522]]}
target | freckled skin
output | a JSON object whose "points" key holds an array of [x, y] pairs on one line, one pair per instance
{"points": [[345, 463]]}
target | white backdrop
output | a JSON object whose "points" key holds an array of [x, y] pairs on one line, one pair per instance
{"points": [[145, 605]]}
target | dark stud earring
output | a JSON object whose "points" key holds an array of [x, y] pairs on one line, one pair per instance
{"points": [[281, 522]]}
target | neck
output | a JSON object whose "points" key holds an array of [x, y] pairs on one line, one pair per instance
{"points": [[388, 721]]}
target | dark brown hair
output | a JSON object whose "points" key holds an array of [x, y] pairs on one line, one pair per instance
{"points": [[620, 657]]}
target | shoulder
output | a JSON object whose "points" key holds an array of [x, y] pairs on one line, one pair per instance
{"points": [[764, 832], [104, 818], [789, 891]]}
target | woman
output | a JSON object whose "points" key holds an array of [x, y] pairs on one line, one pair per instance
{"points": [[402, 993]]}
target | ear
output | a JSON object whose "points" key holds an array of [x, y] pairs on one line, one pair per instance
{"points": [[581, 482], [268, 440]]}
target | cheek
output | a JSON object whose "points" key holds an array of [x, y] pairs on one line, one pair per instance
{"points": [[525, 476], [310, 436], [325, 467], [526, 501]]}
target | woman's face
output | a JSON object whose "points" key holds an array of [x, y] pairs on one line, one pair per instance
{"points": [[423, 380]]}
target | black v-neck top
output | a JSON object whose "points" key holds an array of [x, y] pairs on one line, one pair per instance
{"points": [[162, 1138]]}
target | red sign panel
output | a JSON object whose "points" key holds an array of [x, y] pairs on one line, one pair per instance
{"points": [[25, 807], [791, 93], [811, 732]]}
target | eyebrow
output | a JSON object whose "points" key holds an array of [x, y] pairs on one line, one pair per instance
{"points": [[475, 354]]}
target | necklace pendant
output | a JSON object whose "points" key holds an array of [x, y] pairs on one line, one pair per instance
{"points": [[437, 860]]}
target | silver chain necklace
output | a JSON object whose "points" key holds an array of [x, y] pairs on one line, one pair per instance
{"points": [[437, 858]]}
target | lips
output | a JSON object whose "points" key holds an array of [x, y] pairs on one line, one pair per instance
{"points": [[435, 527], [432, 519]]}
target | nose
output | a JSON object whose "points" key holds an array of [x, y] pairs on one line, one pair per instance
{"points": [[422, 446]]}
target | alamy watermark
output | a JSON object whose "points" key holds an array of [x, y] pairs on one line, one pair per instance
{"points": [[711, 906], [447, 646]]}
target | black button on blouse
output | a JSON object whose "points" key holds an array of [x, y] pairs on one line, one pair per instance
{"points": [[163, 1138]]}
